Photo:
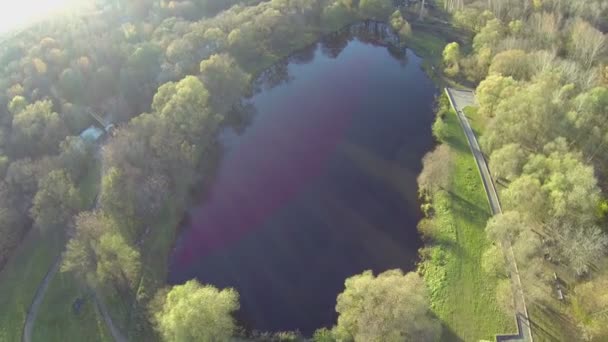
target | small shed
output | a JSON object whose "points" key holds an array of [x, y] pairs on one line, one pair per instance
{"points": [[92, 134]]}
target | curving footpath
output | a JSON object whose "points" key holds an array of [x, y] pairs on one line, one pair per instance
{"points": [[459, 99], [32, 312]]}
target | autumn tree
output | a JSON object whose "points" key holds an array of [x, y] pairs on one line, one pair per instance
{"points": [[195, 312], [435, 170], [389, 307]]}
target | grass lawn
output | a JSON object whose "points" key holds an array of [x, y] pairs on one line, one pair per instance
{"points": [[56, 320], [463, 297], [20, 278], [24, 272]]}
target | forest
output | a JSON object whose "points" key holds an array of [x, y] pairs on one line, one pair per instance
{"points": [[168, 75]]}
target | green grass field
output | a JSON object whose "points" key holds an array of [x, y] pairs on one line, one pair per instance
{"points": [[57, 321], [24, 272], [20, 278], [463, 297]]}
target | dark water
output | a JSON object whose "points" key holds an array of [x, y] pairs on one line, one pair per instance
{"points": [[321, 185]]}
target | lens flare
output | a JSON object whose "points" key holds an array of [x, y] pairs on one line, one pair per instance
{"points": [[17, 14]]}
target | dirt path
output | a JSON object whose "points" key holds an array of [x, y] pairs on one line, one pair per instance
{"points": [[116, 334], [459, 100], [32, 311]]}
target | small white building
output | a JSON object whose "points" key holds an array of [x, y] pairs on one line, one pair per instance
{"points": [[92, 134]]}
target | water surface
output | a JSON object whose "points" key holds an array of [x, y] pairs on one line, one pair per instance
{"points": [[321, 184]]}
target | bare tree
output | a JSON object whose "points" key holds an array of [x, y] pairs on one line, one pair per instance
{"points": [[587, 43], [435, 169]]}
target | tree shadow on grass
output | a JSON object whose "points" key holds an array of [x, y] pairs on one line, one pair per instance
{"points": [[467, 209], [551, 315], [449, 335], [457, 144]]}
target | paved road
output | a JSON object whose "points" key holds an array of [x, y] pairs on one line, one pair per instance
{"points": [[459, 100], [32, 311]]}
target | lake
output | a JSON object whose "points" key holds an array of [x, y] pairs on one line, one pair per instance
{"points": [[320, 184]]}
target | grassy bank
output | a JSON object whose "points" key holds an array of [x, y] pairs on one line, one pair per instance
{"points": [[462, 295]]}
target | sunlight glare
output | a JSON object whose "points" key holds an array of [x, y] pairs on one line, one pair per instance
{"points": [[14, 14]]}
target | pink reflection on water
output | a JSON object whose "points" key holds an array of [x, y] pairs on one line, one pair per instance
{"points": [[287, 146]]}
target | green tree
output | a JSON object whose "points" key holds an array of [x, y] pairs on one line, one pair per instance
{"points": [[195, 312], [590, 302], [17, 104], [399, 24], [489, 36], [323, 335], [37, 130], [79, 256], [71, 84], [116, 198], [337, 14], [117, 262], [98, 253], [570, 186], [375, 9], [513, 63], [507, 162], [493, 261], [451, 58], [225, 80], [76, 156], [591, 127], [506, 226], [525, 195], [389, 307], [56, 201], [492, 90], [183, 105], [532, 116]]}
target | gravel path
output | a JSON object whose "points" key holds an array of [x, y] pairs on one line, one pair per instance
{"points": [[32, 311], [459, 100]]}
